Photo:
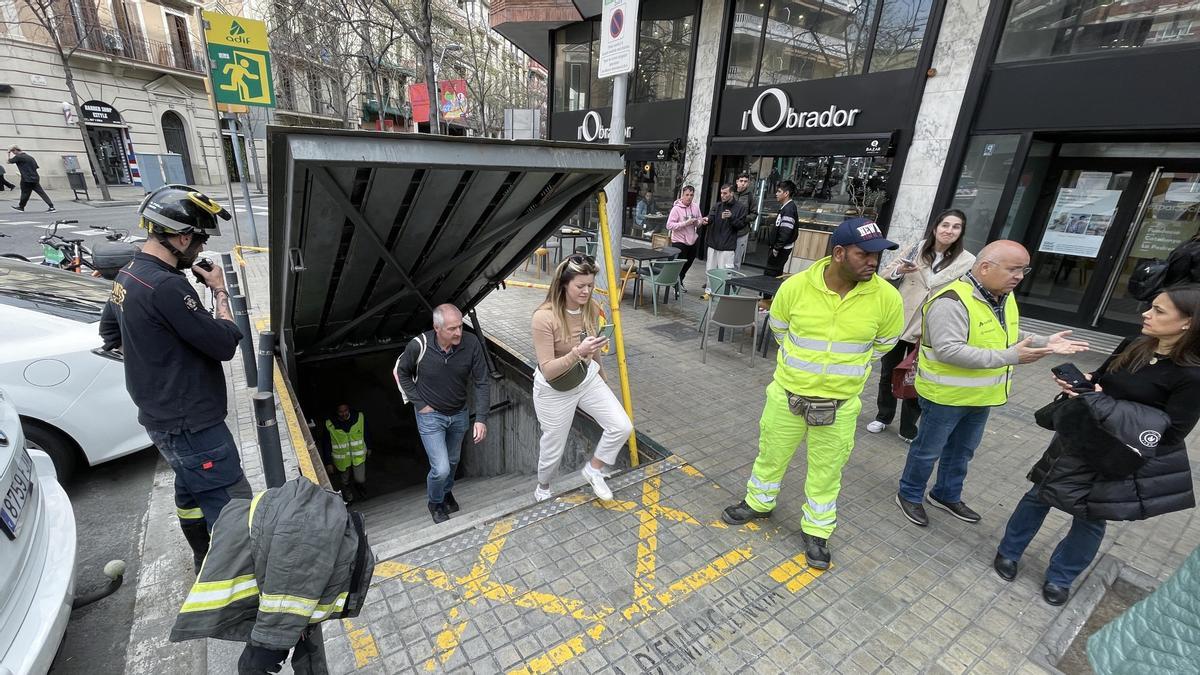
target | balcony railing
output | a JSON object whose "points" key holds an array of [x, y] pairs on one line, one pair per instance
{"points": [[108, 40]]}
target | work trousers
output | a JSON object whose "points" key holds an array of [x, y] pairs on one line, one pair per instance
{"points": [[556, 410], [356, 473], [1072, 555], [208, 471], [910, 409], [28, 187], [780, 434]]}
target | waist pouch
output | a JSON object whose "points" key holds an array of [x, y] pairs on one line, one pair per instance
{"points": [[573, 377], [817, 412]]}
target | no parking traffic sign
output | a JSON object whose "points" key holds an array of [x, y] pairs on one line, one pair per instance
{"points": [[618, 42]]}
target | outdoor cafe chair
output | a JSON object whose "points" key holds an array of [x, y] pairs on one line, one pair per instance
{"points": [[661, 273], [732, 311], [716, 286]]}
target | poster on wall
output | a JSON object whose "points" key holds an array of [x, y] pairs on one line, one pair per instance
{"points": [[1170, 220], [1079, 220], [453, 100]]}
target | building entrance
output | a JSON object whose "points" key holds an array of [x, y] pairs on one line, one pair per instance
{"points": [[1095, 221]]}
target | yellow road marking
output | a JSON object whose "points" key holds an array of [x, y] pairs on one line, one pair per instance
{"points": [[299, 445], [657, 602], [795, 573], [362, 643]]}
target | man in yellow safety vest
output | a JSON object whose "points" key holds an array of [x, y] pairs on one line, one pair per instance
{"points": [[831, 321], [347, 450], [970, 341]]}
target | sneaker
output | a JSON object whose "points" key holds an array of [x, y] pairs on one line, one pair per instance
{"points": [[438, 511], [816, 550], [741, 513], [451, 505], [15, 207], [957, 509], [876, 426], [596, 479], [51, 210], [542, 495], [914, 511]]}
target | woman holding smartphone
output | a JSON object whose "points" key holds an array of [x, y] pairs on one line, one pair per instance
{"points": [[566, 340], [1160, 369], [921, 270]]}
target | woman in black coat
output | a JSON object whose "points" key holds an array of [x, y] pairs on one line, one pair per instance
{"points": [[1159, 369]]}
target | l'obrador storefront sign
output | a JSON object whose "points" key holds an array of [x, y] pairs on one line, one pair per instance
{"points": [[784, 116]]}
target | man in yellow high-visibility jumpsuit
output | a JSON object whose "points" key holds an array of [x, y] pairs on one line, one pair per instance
{"points": [[831, 321]]}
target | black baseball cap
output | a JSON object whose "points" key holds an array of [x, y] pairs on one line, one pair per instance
{"points": [[863, 233]]}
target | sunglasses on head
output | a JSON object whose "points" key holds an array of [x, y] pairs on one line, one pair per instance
{"points": [[581, 259]]}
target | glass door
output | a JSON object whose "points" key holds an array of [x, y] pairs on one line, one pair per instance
{"points": [[1082, 223], [1168, 216]]}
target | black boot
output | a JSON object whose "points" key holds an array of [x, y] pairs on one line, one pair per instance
{"points": [[451, 505], [195, 531], [438, 512]]}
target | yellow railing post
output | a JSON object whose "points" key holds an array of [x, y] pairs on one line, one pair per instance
{"points": [[614, 303]]}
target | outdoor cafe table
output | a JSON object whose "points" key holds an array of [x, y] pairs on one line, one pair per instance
{"points": [[574, 234], [768, 286], [645, 255]]}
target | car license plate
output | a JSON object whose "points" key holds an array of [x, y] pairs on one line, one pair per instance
{"points": [[16, 495]]}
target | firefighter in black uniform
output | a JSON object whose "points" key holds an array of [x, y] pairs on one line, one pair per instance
{"points": [[173, 349]]}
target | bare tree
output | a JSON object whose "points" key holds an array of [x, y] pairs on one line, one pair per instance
{"points": [[495, 77], [66, 34]]}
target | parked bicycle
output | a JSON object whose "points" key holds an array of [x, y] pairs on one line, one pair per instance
{"points": [[14, 256], [65, 252]]}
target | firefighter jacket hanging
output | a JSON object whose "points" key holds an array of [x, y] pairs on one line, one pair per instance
{"points": [[291, 557], [826, 345]]}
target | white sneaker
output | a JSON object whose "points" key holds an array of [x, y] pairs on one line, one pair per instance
{"points": [[541, 495], [596, 479], [876, 426]]}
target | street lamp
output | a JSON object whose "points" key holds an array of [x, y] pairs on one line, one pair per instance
{"points": [[435, 119]]}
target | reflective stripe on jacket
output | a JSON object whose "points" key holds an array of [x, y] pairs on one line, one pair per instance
{"points": [[948, 384], [276, 564], [827, 342], [348, 447]]}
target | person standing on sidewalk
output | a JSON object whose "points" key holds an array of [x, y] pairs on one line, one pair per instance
{"points": [[30, 180], [433, 374], [970, 342], [345, 450], [682, 222], [746, 197], [4, 184], [784, 238], [922, 270], [1159, 369], [172, 350], [830, 321], [726, 221], [566, 340]]}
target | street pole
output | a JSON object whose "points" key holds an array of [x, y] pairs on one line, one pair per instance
{"points": [[615, 190], [237, 159]]}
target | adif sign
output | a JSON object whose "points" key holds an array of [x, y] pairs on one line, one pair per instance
{"points": [[790, 118]]}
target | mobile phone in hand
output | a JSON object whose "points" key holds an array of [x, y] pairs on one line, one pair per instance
{"points": [[606, 331], [1070, 374]]}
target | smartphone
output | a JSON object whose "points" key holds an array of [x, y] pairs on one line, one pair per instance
{"points": [[606, 331], [1070, 374]]}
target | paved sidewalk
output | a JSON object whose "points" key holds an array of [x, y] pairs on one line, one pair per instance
{"points": [[654, 582], [122, 195]]}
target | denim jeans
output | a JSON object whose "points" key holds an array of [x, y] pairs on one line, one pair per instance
{"points": [[208, 470], [442, 436], [948, 436], [1072, 555]]}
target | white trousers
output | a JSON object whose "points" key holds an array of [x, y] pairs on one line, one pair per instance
{"points": [[718, 260], [556, 410]]}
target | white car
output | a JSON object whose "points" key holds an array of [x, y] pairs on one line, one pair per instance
{"points": [[37, 552], [71, 396]]}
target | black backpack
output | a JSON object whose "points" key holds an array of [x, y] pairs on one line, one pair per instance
{"points": [[1147, 279]]}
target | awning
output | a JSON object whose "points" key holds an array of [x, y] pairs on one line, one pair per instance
{"points": [[370, 231], [850, 145], [648, 152]]}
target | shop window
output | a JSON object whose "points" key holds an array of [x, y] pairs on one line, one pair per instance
{"points": [[1048, 28], [572, 68], [664, 49], [900, 34], [742, 70], [981, 183], [601, 87]]}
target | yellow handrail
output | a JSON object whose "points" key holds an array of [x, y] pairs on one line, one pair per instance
{"points": [[614, 303]]}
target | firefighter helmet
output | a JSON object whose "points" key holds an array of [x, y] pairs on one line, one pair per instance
{"points": [[180, 209]]}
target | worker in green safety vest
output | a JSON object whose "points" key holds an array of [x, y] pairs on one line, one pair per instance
{"points": [[345, 451]]}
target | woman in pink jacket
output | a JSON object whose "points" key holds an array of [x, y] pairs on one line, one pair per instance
{"points": [[683, 221]]}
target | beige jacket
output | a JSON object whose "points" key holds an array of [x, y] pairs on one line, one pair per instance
{"points": [[917, 287]]}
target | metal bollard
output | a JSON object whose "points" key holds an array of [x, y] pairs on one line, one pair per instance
{"points": [[231, 277], [268, 438], [266, 360], [242, 319]]}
